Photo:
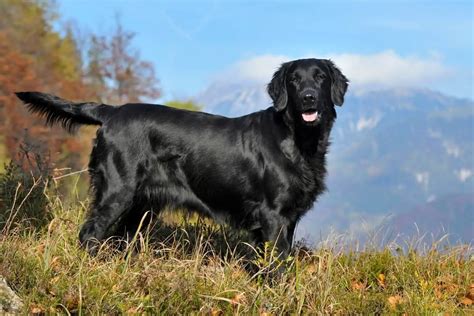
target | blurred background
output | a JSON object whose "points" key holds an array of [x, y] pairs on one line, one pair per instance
{"points": [[401, 162]]}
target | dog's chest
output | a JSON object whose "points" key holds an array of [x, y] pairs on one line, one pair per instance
{"points": [[305, 184]]}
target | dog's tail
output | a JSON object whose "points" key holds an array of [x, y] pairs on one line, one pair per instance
{"points": [[64, 112]]}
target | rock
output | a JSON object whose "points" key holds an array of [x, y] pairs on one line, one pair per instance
{"points": [[10, 303]]}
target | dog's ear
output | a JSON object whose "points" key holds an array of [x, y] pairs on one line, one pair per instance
{"points": [[339, 84], [277, 88]]}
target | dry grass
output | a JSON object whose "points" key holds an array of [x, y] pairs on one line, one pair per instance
{"points": [[199, 270]]}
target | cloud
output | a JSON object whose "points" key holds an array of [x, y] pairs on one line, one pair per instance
{"points": [[257, 69], [385, 69]]}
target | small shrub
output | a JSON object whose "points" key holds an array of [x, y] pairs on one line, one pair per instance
{"points": [[22, 187]]}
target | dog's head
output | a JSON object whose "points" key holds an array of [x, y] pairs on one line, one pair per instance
{"points": [[308, 89]]}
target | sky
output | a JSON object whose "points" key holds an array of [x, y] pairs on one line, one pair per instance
{"points": [[377, 44]]}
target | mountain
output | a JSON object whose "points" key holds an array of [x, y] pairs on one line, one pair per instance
{"points": [[452, 213], [234, 99], [393, 152]]}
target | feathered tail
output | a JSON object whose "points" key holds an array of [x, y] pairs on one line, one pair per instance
{"points": [[64, 112]]}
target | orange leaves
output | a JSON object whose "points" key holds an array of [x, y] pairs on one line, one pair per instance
{"points": [[236, 302], [37, 310], [395, 300], [55, 264], [358, 286], [24, 66], [465, 301], [238, 299], [445, 288], [134, 311], [19, 72], [35, 57], [71, 300], [470, 294], [364, 288], [40, 248], [381, 280], [216, 312], [468, 300]]}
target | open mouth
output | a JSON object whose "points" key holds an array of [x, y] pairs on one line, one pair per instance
{"points": [[310, 115]]}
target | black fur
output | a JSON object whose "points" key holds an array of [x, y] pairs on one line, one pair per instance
{"points": [[260, 172], [64, 112]]}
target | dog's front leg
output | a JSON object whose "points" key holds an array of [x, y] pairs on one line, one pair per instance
{"points": [[278, 230]]}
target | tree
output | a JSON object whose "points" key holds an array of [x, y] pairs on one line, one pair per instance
{"points": [[96, 74], [116, 71], [184, 105], [16, 71], [33, 56]]}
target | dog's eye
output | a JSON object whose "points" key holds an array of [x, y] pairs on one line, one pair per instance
{"points": [[294, 79], [320, 75]]}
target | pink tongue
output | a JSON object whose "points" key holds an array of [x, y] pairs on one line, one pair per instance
{"points": [[310, 116]]}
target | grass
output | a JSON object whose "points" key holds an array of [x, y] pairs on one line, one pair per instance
{"points": [[195, 268]]}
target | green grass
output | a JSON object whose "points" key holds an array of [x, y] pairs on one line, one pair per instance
{"points": [[192, 268]]}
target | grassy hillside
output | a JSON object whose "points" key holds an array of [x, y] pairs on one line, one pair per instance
{"points": [[194, 268]]}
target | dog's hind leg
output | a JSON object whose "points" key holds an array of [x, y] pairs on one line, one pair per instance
{"points": [[138, 220]]}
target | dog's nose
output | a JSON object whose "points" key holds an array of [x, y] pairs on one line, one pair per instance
{"points": [[309, 98]]}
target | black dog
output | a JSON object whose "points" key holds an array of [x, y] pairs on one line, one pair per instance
{"points": [[260, 172]]}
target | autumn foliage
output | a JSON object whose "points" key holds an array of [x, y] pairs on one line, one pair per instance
{"points": [[35, 56]]}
